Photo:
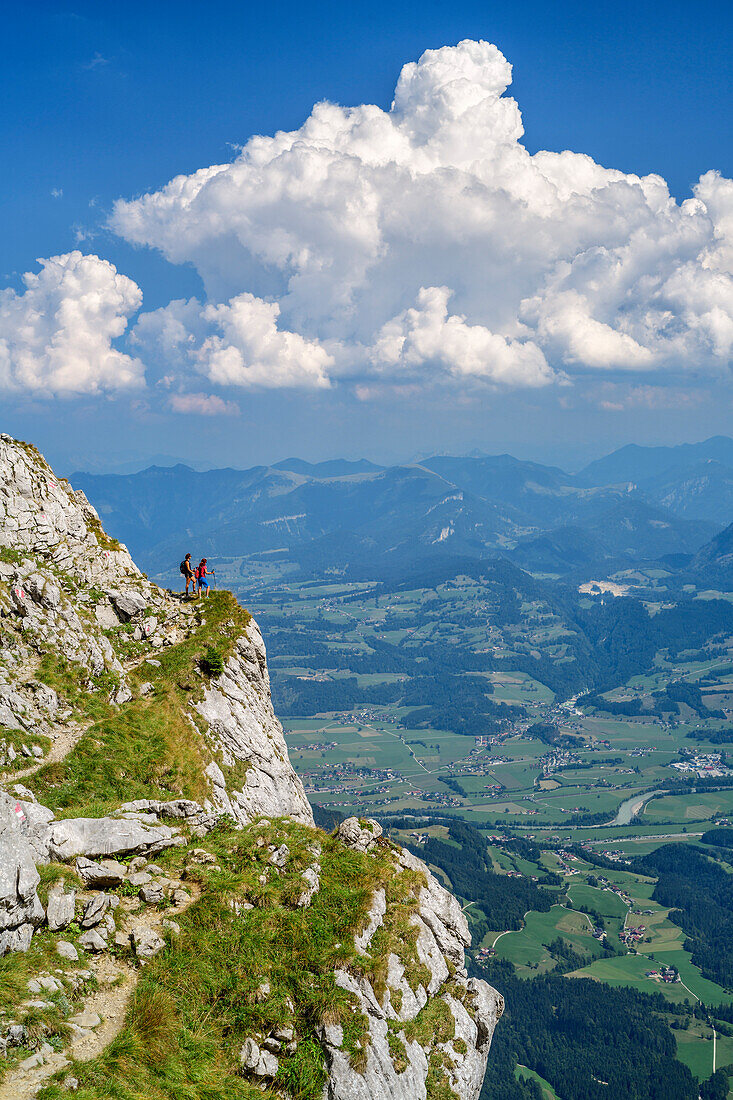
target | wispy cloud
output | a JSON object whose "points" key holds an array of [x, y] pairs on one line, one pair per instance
{"points": [[96, 62], [203, 404]]}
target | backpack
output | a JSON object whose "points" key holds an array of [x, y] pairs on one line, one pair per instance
{"points": [[184, 570], [201, 572]]}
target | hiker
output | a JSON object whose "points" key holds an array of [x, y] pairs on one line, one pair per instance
{"points": [[201, 574], [188, 573]]}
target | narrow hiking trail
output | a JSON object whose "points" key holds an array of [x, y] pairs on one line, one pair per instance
{"points": [[64, 737], [103, 1010], [101, 1017], [64, 740], [108, 1003]]}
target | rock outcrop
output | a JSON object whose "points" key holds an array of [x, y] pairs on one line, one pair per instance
{"points": [[67, 590], [442, 1027], [100, 670], [237, 709]]}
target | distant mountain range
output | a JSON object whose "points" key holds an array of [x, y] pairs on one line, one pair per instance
{"points": [[637, 504]]}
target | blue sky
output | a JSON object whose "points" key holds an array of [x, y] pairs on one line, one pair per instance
{"points": [[102, 103]]}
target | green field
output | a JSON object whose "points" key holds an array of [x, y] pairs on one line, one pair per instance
{"points": [[689, 808], [604, 902], [524, 1073], [695, 1049], [525, 948]]}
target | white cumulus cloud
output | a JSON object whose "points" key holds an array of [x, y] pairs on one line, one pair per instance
{"points": [[331, 251], [253, 351], [427, 334], [236, 343], [56, 336]]}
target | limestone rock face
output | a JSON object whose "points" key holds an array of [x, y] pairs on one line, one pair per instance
{"points": [[63, 583], [42, 514], [474, 1007], [237, 708], [20, 909]]}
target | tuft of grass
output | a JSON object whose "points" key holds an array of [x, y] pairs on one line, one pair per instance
{"points": [[398, 1052], [303, 1075], [10, 555], [397, 936], [212, 662], [434, 1023], [105, 541], [51, 873], [436, 1085]]}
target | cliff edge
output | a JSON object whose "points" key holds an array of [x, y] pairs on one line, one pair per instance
{"points": [[172, 921]]}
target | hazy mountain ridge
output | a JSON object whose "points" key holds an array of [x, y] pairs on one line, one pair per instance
{"points": [[639, 503]]}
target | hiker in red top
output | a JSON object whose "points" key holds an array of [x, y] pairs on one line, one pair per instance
{"points": [[201, 574], [188, 573]]}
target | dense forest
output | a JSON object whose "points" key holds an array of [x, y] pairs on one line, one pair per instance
{"points": [[722, 837], [604, 645], [589, 1041], [701, 894], [503, 901]]}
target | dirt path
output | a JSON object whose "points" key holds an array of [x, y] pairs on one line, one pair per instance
{"points": [[109, 1002], [116, 980], [64, 739]]}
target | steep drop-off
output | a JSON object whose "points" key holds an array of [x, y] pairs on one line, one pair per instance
{"points": [[171, 921]]}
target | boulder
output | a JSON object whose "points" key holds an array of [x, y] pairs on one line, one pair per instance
{"points": [[140, 878], [128, 603], [105, 836], [151, 893], [249, 1055], [360, 837], [280, 856], [93, 941], [267, 1065], [104, 875], [311, 884], [94, 911], [60, 908], [146, 942]]}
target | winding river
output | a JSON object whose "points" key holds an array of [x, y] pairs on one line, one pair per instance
{"points": [[628, 810]]}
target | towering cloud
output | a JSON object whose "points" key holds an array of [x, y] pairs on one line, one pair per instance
{"points": [[364, 223], [418, 246]]}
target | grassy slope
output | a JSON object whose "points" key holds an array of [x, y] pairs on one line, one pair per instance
{"points": [[197, 1001], [147, 748]]}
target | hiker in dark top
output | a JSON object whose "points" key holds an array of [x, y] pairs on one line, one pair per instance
{"points": [[188, 573], [201, 574]]}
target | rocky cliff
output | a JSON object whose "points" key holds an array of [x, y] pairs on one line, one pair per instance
{"points": [[172, 921]]}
